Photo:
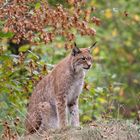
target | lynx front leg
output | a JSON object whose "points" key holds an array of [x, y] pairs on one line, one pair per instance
{"points": [[61, 111], [74, 113], [48, 117]]}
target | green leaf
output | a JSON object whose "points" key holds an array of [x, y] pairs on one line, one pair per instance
{"points": [[24, 48], [37, 6], [86, 118], [6, 35]]}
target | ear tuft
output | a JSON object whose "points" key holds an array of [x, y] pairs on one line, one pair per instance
{"points": [[92, 47], [75, 50]]}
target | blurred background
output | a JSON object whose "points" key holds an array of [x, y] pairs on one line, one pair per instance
{"points": [[112, 86]]}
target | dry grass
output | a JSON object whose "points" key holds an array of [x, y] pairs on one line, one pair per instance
{"points": [[97, 130]]}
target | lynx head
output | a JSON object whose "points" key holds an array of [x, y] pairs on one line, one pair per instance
{"points": [[82, 58]]}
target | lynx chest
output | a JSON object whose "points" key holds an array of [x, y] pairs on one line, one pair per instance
{"points": [[75, 90]]}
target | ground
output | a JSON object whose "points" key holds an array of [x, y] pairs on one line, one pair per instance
{"points": [[97, 130]]}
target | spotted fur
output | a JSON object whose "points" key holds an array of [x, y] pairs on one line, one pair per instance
{"points": [[57, 94]]}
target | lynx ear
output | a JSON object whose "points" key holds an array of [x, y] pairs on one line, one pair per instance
{"points": [[92, 47], [75, 50]]}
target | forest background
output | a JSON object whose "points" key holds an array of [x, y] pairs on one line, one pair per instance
{"points": [[112, 86]]}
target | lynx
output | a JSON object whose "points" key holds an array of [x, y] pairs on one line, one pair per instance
{"points": [[56, 95]]}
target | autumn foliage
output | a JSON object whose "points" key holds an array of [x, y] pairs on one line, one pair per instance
{"points": [[36, 22]]}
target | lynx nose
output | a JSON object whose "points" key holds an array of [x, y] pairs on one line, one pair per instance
{"points": [[89, 64]]}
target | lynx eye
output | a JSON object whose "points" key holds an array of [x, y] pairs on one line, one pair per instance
{"points": [[83, 58], [89, 58]]}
